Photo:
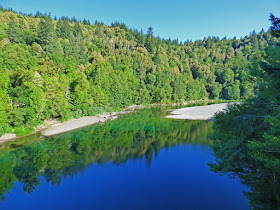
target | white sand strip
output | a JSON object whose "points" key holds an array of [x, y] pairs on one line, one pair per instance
{"points": [[7, 137], [73, 124], [198, 112], [52, 127]]}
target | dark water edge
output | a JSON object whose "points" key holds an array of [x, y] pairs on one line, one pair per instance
{"points": [[139, 161]]}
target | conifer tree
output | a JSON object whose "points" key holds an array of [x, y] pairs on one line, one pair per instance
{"points": [[64, 29], [149, 43], [14, 32], [46, 36]]}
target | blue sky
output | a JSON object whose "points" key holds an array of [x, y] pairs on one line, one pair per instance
{"points": [[182, 19]]}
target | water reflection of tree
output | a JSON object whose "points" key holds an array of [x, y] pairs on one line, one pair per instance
{"points": [[247, 138], [139, 135], [232, 147]]}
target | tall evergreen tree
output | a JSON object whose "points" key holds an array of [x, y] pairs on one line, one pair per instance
{"points": [[64, 29], [47, 36], [149, 43], [13, 32], [275, 28]]}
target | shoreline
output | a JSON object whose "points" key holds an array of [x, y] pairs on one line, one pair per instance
{"points": [[52, 127], [206, 112]]}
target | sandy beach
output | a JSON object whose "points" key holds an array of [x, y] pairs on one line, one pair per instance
{"points": [[53, 127], [72, 125], [198, 112]]}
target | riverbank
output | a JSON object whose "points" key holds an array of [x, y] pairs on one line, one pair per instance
{"points": [[198, 112], [54, 127]]}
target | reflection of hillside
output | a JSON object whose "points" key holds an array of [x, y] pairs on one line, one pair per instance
{"points": [[130, 137]]}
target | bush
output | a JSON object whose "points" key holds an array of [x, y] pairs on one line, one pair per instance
{"points": [[21, 131]]}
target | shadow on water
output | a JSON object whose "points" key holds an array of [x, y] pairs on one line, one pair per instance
{"points": [[133, 136]]}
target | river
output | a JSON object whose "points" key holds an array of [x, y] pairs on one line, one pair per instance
{"points": [[139, 161]]}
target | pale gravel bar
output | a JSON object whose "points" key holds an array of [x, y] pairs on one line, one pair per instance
{"points": [[198, 112], [189, 113], [71, 125], [51, 127]]}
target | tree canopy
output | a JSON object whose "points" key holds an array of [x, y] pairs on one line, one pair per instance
{"points": [[64, 68], [247, 138]]}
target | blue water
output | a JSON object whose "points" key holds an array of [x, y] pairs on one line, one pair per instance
{"points": [[175, 177]]}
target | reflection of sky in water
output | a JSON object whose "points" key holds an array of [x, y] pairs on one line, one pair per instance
{"points": [[177, 178], [171, 174]]}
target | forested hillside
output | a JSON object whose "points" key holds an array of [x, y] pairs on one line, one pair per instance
{"points": [[67, 68], [246, 139]]}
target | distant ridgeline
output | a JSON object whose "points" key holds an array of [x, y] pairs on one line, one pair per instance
{"points": [[68, 69]]}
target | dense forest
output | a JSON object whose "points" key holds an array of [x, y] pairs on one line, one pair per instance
{"points": [[246, 139], [64, 68], [138, 135]]}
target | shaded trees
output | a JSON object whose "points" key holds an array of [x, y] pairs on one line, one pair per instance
{"points": [[247, 138]]}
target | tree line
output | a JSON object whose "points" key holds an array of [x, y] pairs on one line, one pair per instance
{"points": [[64, 68], [246, 139]]}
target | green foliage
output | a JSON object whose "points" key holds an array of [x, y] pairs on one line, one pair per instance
{"points": [[13, 32], [87, 110], [139, 135], [4, 102], [56, 97], [149, 42], [20, 130], [46, 36], [275, 28], [60, 69], [6, 174], [246, 139], [232, 91]]}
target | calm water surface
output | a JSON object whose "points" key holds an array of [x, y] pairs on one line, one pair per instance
{"points": [[139, 161]]}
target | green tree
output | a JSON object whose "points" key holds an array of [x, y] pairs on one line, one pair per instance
{"points": [[56, 97], [4, 102], [46, 36], [149, 42], [64, 29], [246, 139], [14, 32], [275, 28]]}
